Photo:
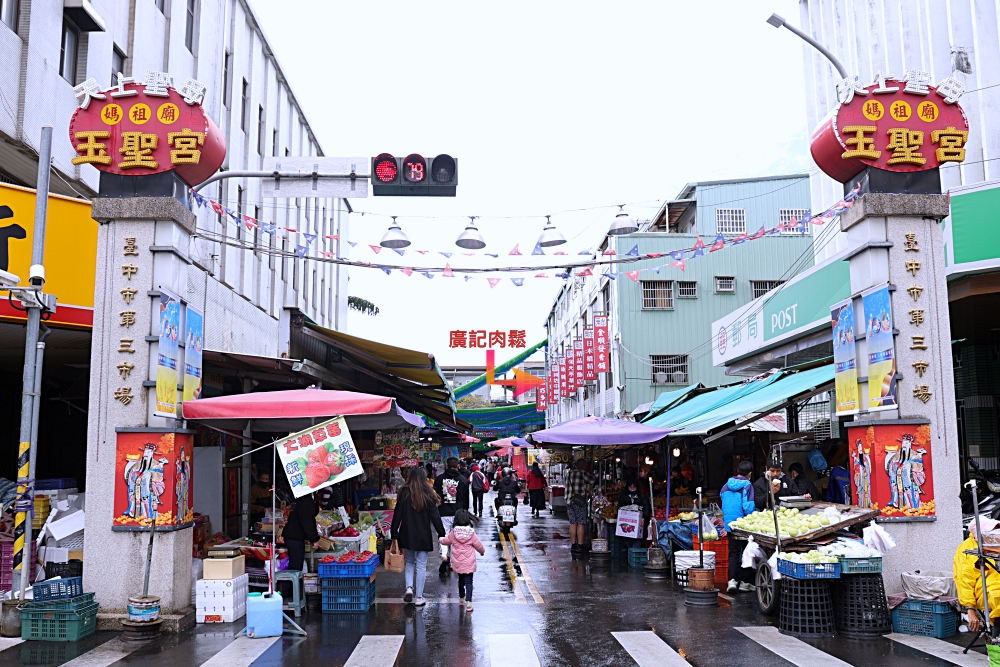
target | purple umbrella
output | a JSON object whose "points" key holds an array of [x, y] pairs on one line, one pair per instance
{"points": [[600, 431]]}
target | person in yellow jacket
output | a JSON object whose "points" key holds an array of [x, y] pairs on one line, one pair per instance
{"points": [[969, 580]]}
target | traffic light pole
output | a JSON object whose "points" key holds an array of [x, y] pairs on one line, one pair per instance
{"points": [[32, 381]]}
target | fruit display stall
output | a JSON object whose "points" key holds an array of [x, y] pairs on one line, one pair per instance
{"points": [[799, 531]]}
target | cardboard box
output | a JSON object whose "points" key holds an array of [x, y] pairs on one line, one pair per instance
{"points": [[224, 568], [75, 554]]}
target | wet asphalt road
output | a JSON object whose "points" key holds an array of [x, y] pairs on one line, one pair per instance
{"points": [[567, 609]]}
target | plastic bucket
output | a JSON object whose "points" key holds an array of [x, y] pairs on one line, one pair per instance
{"points": [[598, 545], [10, 620], [701, 578], [143, 609], [311, 583]]}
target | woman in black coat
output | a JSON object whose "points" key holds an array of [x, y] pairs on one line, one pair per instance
{"points": [[632, 495], [416, 512], [299, 529]]}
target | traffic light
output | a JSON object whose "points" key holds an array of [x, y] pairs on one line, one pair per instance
{"points": [[414, 176]]}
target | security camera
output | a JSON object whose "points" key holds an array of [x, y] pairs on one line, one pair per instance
{"points": [[36, 274], [8, 280]]}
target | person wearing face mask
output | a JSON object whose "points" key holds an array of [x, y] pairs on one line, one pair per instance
{"points": [[260, 497], [633, 495]]}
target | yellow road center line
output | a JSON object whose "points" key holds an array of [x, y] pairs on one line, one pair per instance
{"points": [[510, 570], [524, 572]]}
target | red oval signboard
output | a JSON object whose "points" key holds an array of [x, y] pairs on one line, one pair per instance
{"points": [[141, 129], [892, 125]]}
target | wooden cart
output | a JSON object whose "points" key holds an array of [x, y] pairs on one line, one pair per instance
{"points": [[768, 589]]}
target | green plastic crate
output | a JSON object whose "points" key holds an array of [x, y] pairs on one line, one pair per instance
{"points": [[79, 602], [59, 625], [870, 565]]}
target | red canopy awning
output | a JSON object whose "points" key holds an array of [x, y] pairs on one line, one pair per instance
{"points": [[297, 409]]}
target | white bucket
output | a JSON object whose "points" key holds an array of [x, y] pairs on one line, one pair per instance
{"points": [[143, 609]]}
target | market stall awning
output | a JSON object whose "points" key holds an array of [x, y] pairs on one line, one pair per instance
{"points": [[702, 403], [298, 409], [347, 362], [599, 431], [508, 420], [790, 387], [669, 399]]}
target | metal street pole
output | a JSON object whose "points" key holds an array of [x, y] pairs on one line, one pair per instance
{"points": [[30, 386], [779, 22]]}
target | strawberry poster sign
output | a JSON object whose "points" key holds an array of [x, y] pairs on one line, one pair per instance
{"points": [[319, 456]]}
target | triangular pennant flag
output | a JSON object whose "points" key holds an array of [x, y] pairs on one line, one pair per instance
{"points": [[585, 272], [387, 270], [493, 282], [677, 255], [742, 238], [656, 269], [268, 228], [654, 255], [448, 273], [468, 254], [542, 275], [515, 251], [634, 252], [446, 254], [517, 281], [678, 264], [326, 253], [353, 243], [234, 215], [560, 252], [309, 238], [494, 255], [400, 251], [290, 229], [467, 278], [423, 252], [699, 248], [562, 275], [250, 222], [376, 248], [633, 276], [300, 250], [609, 252], [335, 237], [198, 199], [584, 252], [720, 243], [408, 271], [612, 276], [758, 234], [217, 207], [538, 250], [427, 274]]}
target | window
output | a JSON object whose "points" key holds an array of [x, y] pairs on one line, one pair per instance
{"points": [[244, 94], [669, 368], [68, 52], [189, 27], [731, 220], [687, 289], [657, 294], [226, 62], [787, 215], [260, 130], [117, 64], [159, 5], [274, 143], [725, 284], [286, 151], [762, 287], [9, 10]]}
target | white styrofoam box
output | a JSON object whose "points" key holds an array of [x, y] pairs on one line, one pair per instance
{"points": [[218, 607], [223, 586], [54, 555], [220, 616]]}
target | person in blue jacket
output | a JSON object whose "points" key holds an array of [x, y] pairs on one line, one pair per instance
{"points": [[737, 502]]}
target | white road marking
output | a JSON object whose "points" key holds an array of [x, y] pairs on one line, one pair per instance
{"points": [[376, 651], [6, 643], [791, 649], [940, 649], [512, 651], [240, 653], [648, 650], [106, 654]]}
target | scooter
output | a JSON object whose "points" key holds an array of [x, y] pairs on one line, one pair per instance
{"points": [[507, 514]]}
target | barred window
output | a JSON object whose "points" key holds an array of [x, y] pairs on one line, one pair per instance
{"points": [[762, 287], [669, 368], [787, 215], [657, 294], [687, 289], [731, 220], [725, 283]]}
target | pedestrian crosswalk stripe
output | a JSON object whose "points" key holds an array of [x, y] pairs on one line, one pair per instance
{"points": [[939, 649], [106, 654], [240, 653], [648, 650], [512, 651], [6, 643], [376, 651], [791, 649]]}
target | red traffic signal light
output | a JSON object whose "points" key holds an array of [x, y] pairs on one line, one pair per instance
{"points": [[385, 169], [414, 168]]}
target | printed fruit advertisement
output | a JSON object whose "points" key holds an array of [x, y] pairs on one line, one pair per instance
{"points": [[319, 456]]}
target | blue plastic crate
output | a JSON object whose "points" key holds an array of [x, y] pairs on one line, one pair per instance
{"points": [[931, 606], [637, 558], [924, 623], [55, 484], [65, 604], [58, 589], [347, 584], [348, 570], [344, 601], [808, 570]]}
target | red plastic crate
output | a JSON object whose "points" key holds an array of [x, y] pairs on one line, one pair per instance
{"points": [[721, 549]]}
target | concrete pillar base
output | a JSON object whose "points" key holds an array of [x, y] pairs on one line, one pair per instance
{"points": [[172, 623]]}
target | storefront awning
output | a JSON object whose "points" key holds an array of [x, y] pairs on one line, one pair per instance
{"points": [[703, 403], [668, 399], [756, 404]]}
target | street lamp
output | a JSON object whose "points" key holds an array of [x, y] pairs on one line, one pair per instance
{"points": [[550, 235], [471, 239], [622, 224], [394, 237], [779, 22]]}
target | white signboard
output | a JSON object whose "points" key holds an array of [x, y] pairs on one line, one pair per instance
{"points": [[344, 188]]}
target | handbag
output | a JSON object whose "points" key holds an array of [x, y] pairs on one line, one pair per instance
{"points": [[527, 500], [395, 559]]}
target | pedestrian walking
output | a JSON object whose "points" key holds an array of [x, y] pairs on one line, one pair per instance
{"points": [[416, 513], [536, 489], [478, 485], [453, 489], [738, 502], [299, 529], [577, 481], [464, 544]]}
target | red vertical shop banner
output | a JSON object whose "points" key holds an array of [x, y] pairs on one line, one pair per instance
{"points": [[601, 343], [589, 366], [571, 370], [540, 404], [553, 379], [563, 380], [578, 355]]}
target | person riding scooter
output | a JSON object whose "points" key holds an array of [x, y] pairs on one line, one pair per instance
{"points": [[507, 490]]}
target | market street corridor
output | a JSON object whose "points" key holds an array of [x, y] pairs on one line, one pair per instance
{"points": [[534, 605]]}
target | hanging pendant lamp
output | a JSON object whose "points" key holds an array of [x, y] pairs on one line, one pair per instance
{"points": [[622, 224], [471, 239], [394, 237], [550, 235]]}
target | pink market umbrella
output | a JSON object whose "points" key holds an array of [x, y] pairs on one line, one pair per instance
{"points": [[599, 431]]}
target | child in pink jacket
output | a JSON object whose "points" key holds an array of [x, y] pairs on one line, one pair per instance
{"points": [[464, 545]]}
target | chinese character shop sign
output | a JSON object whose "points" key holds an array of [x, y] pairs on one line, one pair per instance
{"points": [[139, 129], [901, 125]]}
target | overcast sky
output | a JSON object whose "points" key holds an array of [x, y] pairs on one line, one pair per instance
{"points": [[547, 106]]}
